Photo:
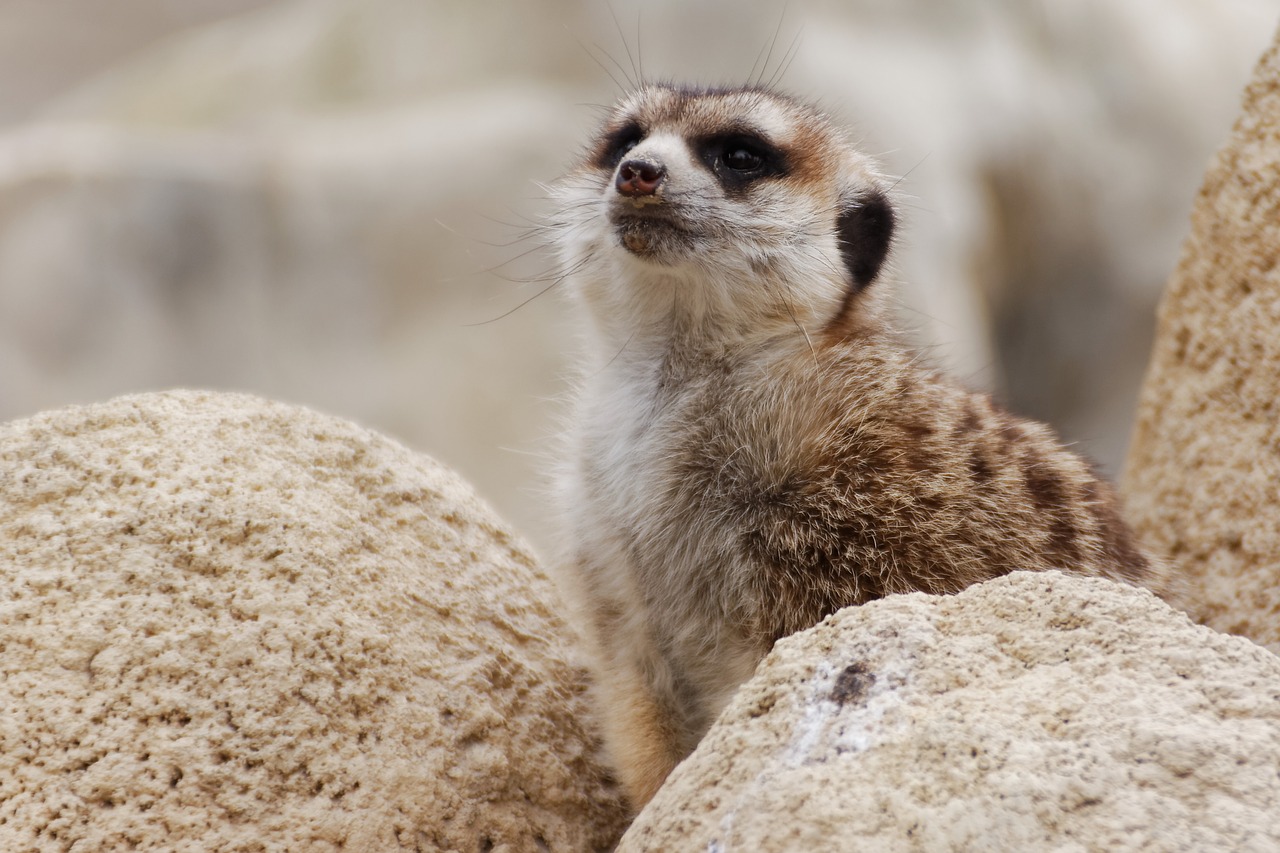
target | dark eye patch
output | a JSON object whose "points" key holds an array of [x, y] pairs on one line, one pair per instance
{"points": [[738, 158], [615, 144]]}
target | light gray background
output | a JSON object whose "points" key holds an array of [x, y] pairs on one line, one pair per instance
{"points": [[307, 199]]}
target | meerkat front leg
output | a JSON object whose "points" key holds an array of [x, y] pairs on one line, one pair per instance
{"points": [[641, 722], [641, 726]]}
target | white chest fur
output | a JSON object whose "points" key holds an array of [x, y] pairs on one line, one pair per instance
{"points": [[645, 546]]}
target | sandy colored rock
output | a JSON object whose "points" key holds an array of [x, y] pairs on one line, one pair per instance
{"points": [[1038, 711], [1203, 474], [231, 624]]}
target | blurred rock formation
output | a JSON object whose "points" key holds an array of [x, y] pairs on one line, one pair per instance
{"points": [[1203, 476], [300, 200]]}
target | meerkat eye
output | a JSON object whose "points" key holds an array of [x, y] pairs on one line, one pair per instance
{"points": [[742, 159], [616, 144]]}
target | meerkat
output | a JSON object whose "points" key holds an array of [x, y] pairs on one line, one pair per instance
{"points": [[751, 447]]}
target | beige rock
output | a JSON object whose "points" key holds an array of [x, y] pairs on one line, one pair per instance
{"points": [[1203, 475], [231, 624], [1038, 711]]}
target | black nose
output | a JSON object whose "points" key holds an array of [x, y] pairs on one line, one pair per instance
{"points": [[640, 177]]}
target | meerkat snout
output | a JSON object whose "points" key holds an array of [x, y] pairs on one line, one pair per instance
{"points": [[638, 178]]}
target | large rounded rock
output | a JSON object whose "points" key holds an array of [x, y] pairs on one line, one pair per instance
{"points": [[231, 624], [1203, 475], [1038, 711]]}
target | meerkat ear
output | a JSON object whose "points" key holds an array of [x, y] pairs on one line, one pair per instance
{"points": [[864, 230]]}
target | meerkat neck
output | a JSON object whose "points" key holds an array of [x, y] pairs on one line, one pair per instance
{"points": [[680, 341], [656, 314]]}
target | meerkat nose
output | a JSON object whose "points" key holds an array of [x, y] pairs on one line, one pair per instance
{"points": [[640, 177]]}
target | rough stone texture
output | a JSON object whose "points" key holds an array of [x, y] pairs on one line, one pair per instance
{"points": [[1203, 475], [230, 624], [1038, 711]]}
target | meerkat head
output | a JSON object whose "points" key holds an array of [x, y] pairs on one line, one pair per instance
{"points": [[722, 209]]}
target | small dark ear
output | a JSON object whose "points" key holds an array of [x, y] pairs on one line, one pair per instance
{"points": [[864, 229]]}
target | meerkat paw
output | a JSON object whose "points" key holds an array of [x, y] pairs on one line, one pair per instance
{"points": [[642, 739]]}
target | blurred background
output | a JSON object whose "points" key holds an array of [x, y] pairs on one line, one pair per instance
{"points": [[326, 202]]}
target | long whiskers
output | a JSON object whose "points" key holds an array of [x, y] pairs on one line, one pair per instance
{"points": [[560, 278], [635, 77], [755, 77]]}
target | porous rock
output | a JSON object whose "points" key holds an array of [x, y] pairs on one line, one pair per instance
{"points": [[1038, 711], [231, 624], [1203, 473]]}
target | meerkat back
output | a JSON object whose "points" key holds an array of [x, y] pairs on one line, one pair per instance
{"points": [[750, 448]]}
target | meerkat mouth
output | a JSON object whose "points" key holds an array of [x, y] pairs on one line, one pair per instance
{"points": [[651, 233]]}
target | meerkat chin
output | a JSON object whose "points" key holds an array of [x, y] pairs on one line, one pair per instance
{"points": [[751, 449]]}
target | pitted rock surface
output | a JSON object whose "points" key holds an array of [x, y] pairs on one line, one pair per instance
{"points": [[1038, 711], [231, 624]]}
